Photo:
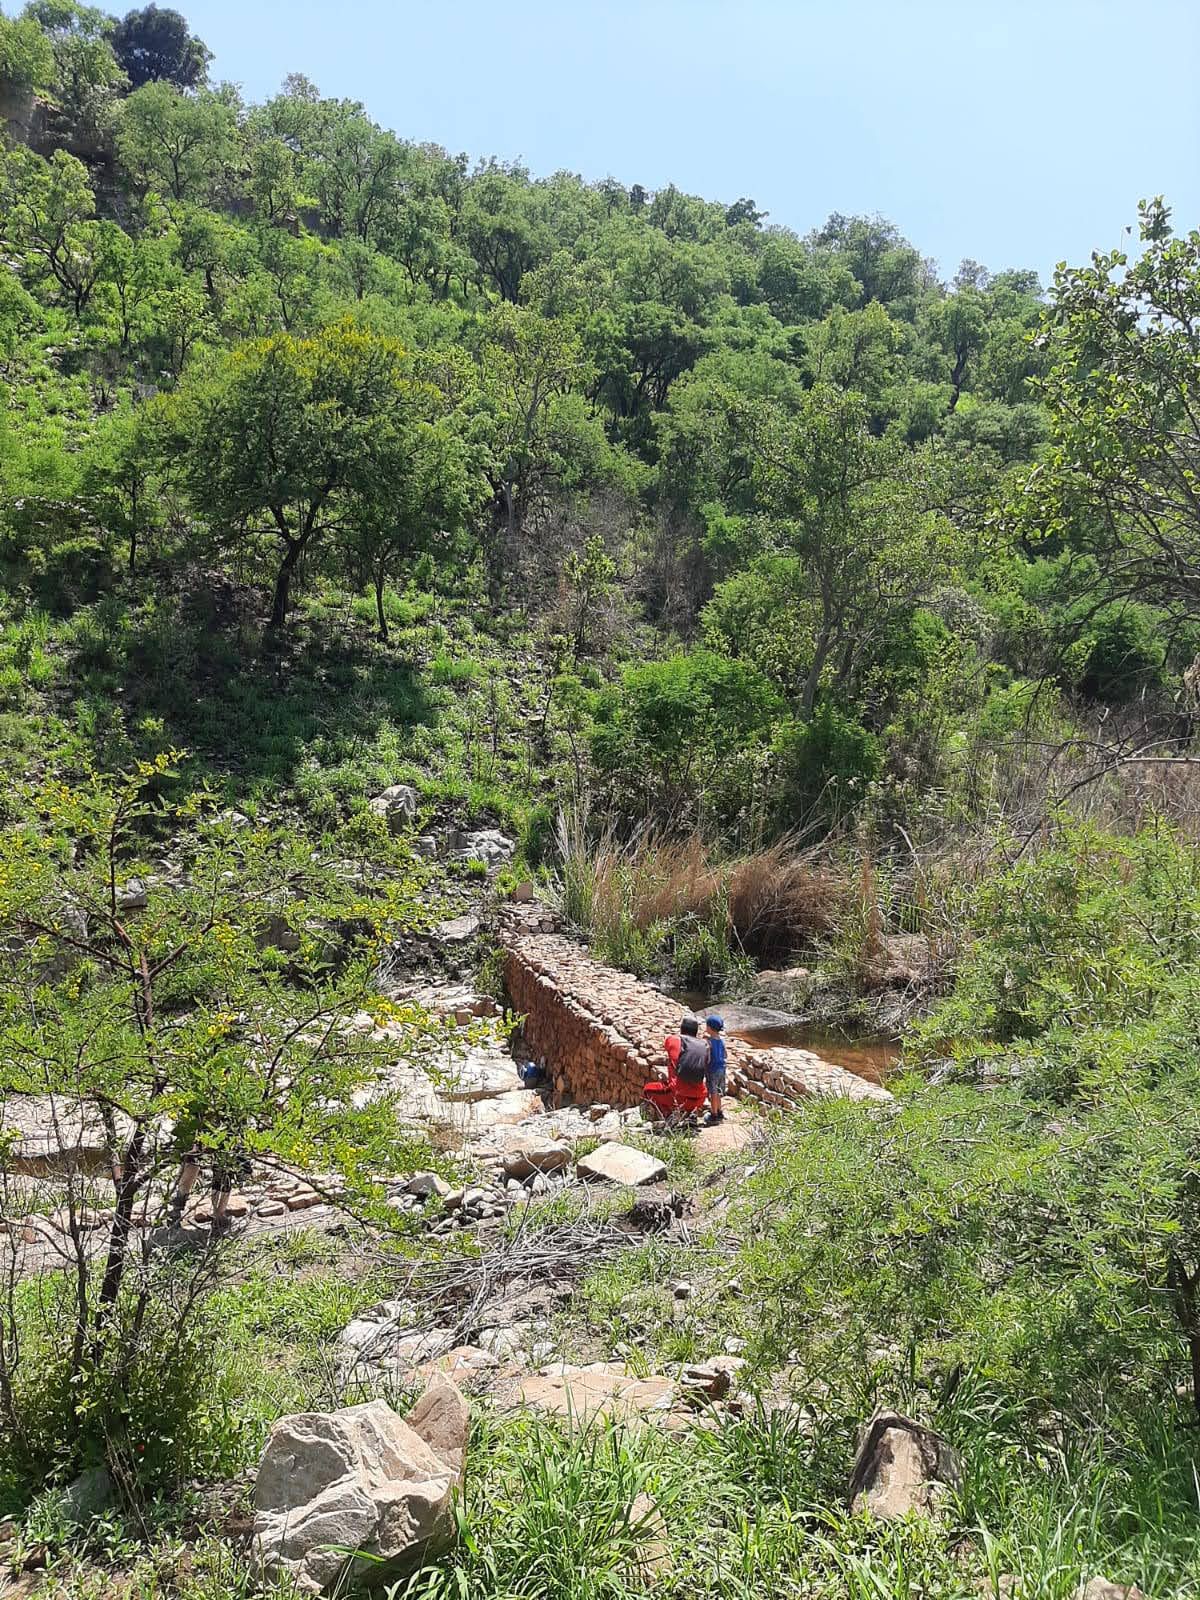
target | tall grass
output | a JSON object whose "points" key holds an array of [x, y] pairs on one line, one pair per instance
{"points": [[643, 897]]}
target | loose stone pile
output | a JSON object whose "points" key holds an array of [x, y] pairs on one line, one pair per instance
{"points": [[600, 1032]]}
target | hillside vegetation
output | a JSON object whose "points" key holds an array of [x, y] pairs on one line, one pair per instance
{"points": [[788, 607]]}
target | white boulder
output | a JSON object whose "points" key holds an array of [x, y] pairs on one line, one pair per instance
{"points": [[361, 1494]]}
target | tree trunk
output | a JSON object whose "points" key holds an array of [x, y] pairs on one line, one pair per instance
{"points": [[812, 683], [383, 627], [133, 527], [283, 586]]}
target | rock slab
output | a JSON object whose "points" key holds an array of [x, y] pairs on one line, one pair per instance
{"points": [[604, 1389], [621, 1163], [361, 1494]]}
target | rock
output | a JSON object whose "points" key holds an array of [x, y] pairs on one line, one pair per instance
{"points": [[479, 1076], [523, 893], [487, 844], [359, 1480], [465, 1363], [901, 1467], [457, 930], [59, 1132], [533, 1155], [303, 1200], [652, 1554], [426, 845], [441, 1418], [604, 1389], [83, 1218], [133, 896], [712, 1380], [276, 933], [621, 1163], [1100, 1588], [397, 806], [90, 1495], [270, 1208], [427, 1185]]}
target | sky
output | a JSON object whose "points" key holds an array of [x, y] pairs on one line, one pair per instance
{"points": [[1014, 133]]}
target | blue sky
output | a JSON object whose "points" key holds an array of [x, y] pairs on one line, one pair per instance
{"points": [[1013, 132]]}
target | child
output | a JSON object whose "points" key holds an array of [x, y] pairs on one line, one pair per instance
{"points": [[714, 1027]]}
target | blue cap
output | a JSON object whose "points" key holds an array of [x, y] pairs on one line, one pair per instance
{"points": [[715, 1023]]}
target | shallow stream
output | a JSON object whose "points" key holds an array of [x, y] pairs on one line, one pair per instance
{"points": [[870, 1056]]}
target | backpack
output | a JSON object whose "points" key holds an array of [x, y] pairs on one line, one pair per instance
{"points": [[692, 1066]]}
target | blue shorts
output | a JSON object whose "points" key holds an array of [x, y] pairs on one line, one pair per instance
{"points": [[715, 1079]]}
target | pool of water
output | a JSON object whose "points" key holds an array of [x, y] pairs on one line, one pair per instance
{"points": [[868, 1056]]}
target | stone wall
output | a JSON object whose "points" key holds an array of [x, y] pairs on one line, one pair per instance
{"points": [[600, 1032]]}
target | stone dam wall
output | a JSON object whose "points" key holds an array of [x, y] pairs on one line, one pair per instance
{"points": [[600, 1032]]}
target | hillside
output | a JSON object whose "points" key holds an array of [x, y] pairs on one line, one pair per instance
{"points": [[452, 619]]}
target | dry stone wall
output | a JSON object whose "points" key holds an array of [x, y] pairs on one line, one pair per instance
{"points": [[600, 1032]]}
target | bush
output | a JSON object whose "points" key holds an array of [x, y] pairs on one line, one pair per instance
{"points": [[676, 741], [1095, 932], [826, 766]]}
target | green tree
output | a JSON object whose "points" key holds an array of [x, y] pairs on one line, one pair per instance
{"points": [[857, 516], [173, 1008], [301, 437], [531, 367], [430, 495], [1119, 478], [153, 45], [86, 72], [48, 215], [178, 144], [26, 58]]}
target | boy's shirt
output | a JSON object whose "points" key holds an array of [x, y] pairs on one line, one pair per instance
{"points": [[716, 1053]]}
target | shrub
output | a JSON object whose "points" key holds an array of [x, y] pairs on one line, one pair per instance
{"points": [[675, 741], [135, 1021], [825, 765]]}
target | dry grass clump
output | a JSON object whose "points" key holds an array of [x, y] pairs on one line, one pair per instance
{"points": [[781, 898], [628, 893]]}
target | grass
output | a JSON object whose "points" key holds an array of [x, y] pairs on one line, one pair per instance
{"points": [[652, 904]]}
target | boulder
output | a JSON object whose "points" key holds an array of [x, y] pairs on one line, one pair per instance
{"points": [[397, 806], [621, 1163], [88, 1496], [361, 1494], [457, 930], [427, 1185], [523, 1159], [901, 1467], [133, 896], [486, 844], [466, 1363], [1100, 1588]]}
